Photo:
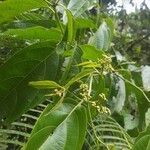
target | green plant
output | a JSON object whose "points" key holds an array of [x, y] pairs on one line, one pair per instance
{"points": [[66, 62]]}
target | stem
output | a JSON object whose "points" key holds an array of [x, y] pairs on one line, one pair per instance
{"points": [[65, 74], [98, 12], [58, 21], [90, 85], [57, 1], [50, 6], [74, 95], [59, 102]]}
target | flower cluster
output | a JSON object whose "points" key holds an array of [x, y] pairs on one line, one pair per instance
{"points": [[105, 64], [99, 106], [57, 92], [85, 92]]}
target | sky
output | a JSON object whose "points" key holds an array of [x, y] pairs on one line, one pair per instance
{"points": [[129, 8]]}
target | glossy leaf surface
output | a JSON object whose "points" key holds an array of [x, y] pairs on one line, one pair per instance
{"points": [[77, 7], [35, 62], [59, 128], [35, 33], [101, 39], [9, 9]]}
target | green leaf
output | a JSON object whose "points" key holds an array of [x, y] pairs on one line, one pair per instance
{"points": [[111, 25], [45, 84], [88, 64], [9, 9], [144, 133], [36, 62], [82, 23], [33, 33], [59, 128], [101, 39], [28, 23], [78, 7], [143, 143], [91, 53], [70, 26], [80, 75]]}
